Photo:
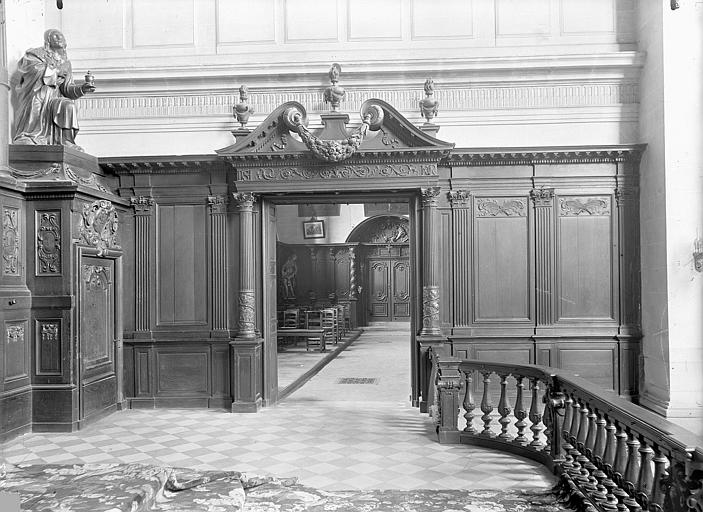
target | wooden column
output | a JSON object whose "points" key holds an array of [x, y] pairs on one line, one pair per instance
{"points": [[461, 213], [543, 199], [246, 368], [218, 265], [4, 98], [143, 209], [430, 269]]}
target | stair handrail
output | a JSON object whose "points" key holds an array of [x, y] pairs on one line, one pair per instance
{"points": [[608, 453]]}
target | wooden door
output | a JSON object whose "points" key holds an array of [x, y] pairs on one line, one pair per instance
{"points": [[389, 289], [96, 347]]}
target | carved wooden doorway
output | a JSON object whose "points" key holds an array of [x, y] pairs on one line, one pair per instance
{"points": [[389, 283]]}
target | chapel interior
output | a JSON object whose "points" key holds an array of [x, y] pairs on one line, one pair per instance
{"points": [[236, 198]]}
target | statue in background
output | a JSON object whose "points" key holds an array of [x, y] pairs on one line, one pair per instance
{"points": [[46, 112], [289, 271]]}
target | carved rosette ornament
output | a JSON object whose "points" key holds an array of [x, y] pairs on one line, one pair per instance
{"points": [[247, 314], [542, 196], [100, 226], [430, 309], [48, 243]]}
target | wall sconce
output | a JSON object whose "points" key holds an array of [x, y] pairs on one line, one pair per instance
{"points": [[698, 255]]}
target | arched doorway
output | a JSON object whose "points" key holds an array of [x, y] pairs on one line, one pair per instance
{"points": [[385, 267]]}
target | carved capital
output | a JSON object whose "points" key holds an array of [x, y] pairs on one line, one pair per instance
{"points": [[142, 204], [429, 196], [459, 198], [244, 200], [217, 204], [542, 196]]}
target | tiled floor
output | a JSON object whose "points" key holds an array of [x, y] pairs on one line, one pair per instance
{"points": [[330, 435]]}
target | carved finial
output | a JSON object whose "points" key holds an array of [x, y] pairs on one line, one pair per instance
{"points": [[243, 110], [429, 106], [334, 94]]}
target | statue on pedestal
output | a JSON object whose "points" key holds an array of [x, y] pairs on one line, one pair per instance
{"points": [[46, 112], [243, 110]]}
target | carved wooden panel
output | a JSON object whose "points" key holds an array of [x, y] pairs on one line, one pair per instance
{"points": [[48, 258], [400, 289], [96, 314], [220, 370], [585, 278], [48, 342], [142, 372], [599, 365], [183, 372], [98, 396], [342, 272], [379, 286], [11, 239], [501, 249], [16, 361], [182, 265]]}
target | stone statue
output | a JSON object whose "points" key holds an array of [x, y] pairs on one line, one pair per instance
{"points": [[243, 110], [46, 112], [289, 270]]}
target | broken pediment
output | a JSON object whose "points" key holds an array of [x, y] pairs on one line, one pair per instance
{"points": [[382, 131]]}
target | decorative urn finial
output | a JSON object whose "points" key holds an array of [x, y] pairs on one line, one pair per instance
{"points": [[243, 110], [334, 94], [429, 106]]}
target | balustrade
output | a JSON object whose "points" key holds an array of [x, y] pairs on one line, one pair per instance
{"points": [[609, 454]]}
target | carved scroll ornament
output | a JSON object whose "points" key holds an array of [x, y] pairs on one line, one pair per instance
{"points": [[96, 277], [497, 208], [100, 226], [49, 243], [10, 241], [392, 231]]}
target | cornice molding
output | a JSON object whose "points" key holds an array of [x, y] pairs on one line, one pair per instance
{"points": [[554, 155]]}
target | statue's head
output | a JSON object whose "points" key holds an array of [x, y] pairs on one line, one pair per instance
{"points": [[54, 40], [243, 92]]}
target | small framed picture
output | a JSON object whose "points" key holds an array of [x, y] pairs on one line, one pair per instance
{"points": [[314, 229]]}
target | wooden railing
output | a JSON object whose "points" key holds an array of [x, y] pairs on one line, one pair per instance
{"points": [[608, 453]]}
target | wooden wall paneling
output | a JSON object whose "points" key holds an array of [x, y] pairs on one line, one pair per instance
{"points": [[144, 371], [98, 398], [48, 335], [592, 359], [545, 288], [342, 272], [587, 260], [182, 370], [144, 281], [269, 300], [446, 264], [462, 259], [221, 392], [181, 267], [128, 374], [502, 274], [628, 370], [628, 229]]}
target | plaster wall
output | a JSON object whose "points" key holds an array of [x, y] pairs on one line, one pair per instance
{"points": [[337, 228], [508, 72]]}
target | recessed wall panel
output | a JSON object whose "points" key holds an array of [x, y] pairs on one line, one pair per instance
{"points": [[579, 17], [257, 27], [182, 278], [105, 29], [594, 364], [309, 20], [453, 19], [374, 19], [523, 17], [163, 23]]}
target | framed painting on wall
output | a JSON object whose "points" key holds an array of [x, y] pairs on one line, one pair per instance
{"points": [[314, 229]]}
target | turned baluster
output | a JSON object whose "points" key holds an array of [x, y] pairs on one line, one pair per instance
{"points": [[632, 469], [620, 457], [601, 437], [469, 404], [590, 442], [575, 423], [645, 480], [520, 413], [611, 443], [535, 415], [486, 405], [583, 429], [568, 418], [504, 407], [658, 490]]}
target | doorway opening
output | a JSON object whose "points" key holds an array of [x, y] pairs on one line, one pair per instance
{"points": [[346, 256]]}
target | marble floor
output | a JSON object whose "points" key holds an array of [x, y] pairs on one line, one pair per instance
{"points": [[349, 427]]}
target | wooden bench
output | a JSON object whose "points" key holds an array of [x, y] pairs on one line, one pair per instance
{"points": [[313, 337]]}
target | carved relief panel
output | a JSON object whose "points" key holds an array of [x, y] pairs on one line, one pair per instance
{"points": [[11, 238], [48, 257], [99, 226], [16, 354], [48, 342]]}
